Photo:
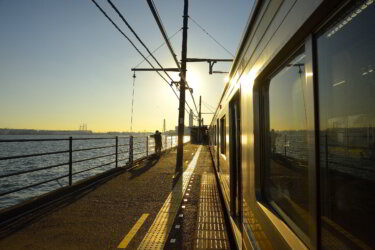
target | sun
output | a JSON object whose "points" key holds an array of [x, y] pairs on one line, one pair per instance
{"points": [[193, 80]]}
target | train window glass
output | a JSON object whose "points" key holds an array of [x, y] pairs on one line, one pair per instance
{"points": [[286, 173], [214, 135], [222, 135], [346, 83], [218, 130]]}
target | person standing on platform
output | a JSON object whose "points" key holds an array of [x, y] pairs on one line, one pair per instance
{"points": [[158, 145]]}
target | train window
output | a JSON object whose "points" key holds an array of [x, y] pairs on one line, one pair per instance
{"points": [[222, 135], [285, 185], [346, 83], [217, 131], [214, 135]]}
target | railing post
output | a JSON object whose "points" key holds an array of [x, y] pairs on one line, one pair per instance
{"points": [[131, 150], [146, 145], [116, 151], [70, 160]]}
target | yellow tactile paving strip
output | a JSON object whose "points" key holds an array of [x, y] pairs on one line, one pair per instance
{"points": [[157, 235], [124, 243], [210, 232]]}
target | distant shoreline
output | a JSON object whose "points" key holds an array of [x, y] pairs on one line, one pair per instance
{"points": [[59, 132], [6, 131]]}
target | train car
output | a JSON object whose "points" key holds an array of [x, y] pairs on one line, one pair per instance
{"points": [[293, 136]]}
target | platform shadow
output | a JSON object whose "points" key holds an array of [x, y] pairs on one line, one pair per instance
{"points": [[144, 166], [46, 209]]}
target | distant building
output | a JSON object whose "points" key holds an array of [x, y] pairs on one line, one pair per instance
{"points": [[186, 130]]}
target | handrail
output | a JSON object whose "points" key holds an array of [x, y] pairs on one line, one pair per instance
{"points": [[142, 145], [33, 170], [122, 152], [93, 138], [86, 149], [33, 140], [33, 155], [93, 158]]}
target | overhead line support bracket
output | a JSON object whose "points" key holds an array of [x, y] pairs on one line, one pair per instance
{"points": [[156, 69], [211, 63]]}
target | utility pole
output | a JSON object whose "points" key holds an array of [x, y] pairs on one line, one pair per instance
{"points": [[200, 112], [181, 110], [199, 119]]}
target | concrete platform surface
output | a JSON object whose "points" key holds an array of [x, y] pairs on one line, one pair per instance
{"points": [[151, 206]]}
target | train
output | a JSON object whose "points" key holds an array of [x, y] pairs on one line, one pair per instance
{"points": [[293, 135]]}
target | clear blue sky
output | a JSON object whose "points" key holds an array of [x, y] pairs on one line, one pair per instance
{"points": [[62, 63]]}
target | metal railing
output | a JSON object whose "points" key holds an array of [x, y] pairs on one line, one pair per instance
{"points": [[69, 162], [130, 149]]}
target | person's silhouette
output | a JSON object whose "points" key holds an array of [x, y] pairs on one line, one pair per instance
{"points": [[158, 145]]}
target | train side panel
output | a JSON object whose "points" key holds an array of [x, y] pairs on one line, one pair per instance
{"points": [[276, 30]]}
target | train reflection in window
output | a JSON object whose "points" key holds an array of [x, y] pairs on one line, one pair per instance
{"points": [[346, 82], [285, 179]]}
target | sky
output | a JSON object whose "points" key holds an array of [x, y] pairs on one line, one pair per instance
{"points": [[62, 63]]}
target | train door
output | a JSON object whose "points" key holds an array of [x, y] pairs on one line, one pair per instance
{"points": [[235, 159]]}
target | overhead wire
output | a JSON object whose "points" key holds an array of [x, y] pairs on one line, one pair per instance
{"points": [[161, 45], [208, 106], [205, 31], [135, 47], [164, 34], [130, 41], [143, 44], [138, 38], [212, 107]]}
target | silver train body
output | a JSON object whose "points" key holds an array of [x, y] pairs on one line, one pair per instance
{"points": [[293, 136]]}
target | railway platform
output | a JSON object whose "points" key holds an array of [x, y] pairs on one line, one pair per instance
{"points": [[150, 206]]}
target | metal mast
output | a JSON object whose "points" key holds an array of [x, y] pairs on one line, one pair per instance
{"points": [[181, 110], [199, 119]]}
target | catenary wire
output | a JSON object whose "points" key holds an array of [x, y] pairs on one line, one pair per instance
{"points": [[208, 105], [138, 38], [205, 31], [143, 44], [161, 45], [135, 47], [164, 34]]}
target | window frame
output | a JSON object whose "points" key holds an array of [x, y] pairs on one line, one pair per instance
{"points": [[316, 33], [281, 234], [261, 125]]}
